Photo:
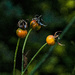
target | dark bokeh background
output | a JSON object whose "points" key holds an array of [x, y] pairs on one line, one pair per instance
{"points": [[56, 14]]}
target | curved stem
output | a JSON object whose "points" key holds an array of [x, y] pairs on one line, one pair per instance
{"points": [[35, 56], [15, 56], [24, 47], [42, 60]]}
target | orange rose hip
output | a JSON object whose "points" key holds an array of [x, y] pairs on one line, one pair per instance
{"points": [[50, 40], [21, 33]]}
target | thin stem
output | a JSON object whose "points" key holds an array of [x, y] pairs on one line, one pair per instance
{"points": [[52, 48], [35, 56], [42, 60], [15, 56], [24, 47]]}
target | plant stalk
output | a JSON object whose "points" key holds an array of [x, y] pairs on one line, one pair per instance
{"points": [[24, 48], [15, 56], [35, 56]]}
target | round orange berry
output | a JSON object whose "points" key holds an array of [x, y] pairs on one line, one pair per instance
{"points": [[50, 40], [35, 25], [21, 33]]}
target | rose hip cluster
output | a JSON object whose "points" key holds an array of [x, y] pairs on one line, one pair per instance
{"points": [[36, 24]]}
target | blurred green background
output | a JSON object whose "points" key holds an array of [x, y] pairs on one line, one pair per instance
{"points": [[56, 14]]}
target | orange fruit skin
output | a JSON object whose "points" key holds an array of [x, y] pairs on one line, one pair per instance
{"points": [[21, 33], [35, 25], [50, 40]]}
